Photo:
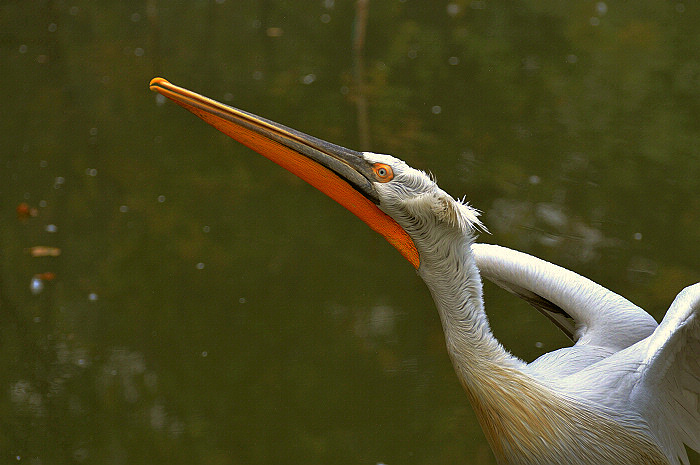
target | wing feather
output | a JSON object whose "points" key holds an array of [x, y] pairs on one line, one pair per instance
{"points": [[670, 374], [586, 311]]}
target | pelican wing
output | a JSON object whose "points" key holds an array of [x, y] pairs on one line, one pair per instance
{"points": [[587, 312], [555, 313], [670, 374]]}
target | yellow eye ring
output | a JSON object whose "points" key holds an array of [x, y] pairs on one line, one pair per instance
{"points": [[383, 172]]}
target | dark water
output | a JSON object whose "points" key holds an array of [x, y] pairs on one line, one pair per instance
{"points": [[200, 305]]}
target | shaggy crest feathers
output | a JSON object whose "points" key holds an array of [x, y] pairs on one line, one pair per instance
{"points": [[454, 213], [457, 213], [460, 214]]}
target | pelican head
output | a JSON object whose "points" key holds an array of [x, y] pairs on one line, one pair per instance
{"points": [[413, 199]]}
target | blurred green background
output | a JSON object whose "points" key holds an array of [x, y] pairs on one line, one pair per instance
{"points": [[208, 307]]}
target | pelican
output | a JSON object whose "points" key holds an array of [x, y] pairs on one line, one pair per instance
{"points": [[627, 391]]}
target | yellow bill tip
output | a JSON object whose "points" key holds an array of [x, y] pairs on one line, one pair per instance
{"points": [[156, 82]]}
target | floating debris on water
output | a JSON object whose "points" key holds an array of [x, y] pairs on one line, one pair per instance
{"points": [[24, 211], [44, 251]]}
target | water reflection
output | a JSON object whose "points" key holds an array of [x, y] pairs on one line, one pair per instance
{"points": [[548, 224]]}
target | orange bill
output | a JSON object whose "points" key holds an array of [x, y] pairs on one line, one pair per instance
{"points": [[340, 173]]}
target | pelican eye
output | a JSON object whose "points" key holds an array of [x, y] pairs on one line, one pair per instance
{"points": [[383, 172]]}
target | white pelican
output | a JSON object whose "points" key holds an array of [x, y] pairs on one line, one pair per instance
{"points": [[627, 392]]}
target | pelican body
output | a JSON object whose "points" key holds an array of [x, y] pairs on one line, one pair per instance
{"points": [[626, 392]]}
